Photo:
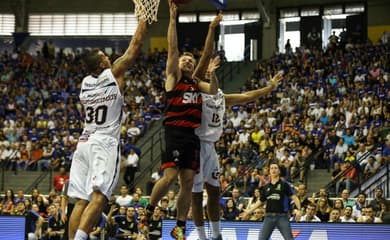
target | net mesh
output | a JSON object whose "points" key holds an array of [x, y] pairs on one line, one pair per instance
{"points": [[146, 10]]}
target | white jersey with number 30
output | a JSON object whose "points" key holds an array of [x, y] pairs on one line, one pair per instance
{"points": [[102, 102], [213, 109]]}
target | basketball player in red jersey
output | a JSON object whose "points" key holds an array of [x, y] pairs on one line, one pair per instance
{"points": [[182, 116]]}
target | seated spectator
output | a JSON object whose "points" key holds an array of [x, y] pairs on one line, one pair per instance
{"points": [[370, 168], [347, 215], [163, 204], [339, 152], [127, 225], [59, 179], [323, 209], [54, 197], [252, 181], [239, 201], [385, 212], [24, 157], [257, 215], [124, 198], [301, 194], [345, 198], [253, 201], [369, 217], [34, 222], [339, 205], [45, 162], [336, 171], [286, 162], [349, 178], [310, 214], [376, 202], [20, 197], [13, 158], [334, 216], [56, 227], [172, 204], [300, 165], [155, 225], [264, 177], [142, 200], [36, 155], [42, 205], [359, 205], [8, 202], [230, 211], [137, 201]]}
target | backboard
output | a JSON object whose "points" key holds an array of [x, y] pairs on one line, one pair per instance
{"points": [[220, 4]]}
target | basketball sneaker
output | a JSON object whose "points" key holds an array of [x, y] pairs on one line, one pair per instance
{"points": [[178, 233], [217, 238]]}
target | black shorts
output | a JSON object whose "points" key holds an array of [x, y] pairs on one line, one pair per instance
{"points": [[182, 149]]}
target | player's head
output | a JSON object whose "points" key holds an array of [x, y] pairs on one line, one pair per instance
{"points": [[187, 62], [96, 61]]}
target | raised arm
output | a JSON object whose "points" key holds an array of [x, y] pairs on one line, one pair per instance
{"points": [[201, 68], [122, 64], [172, 68], [236, 98], [110, 219], [247, 212], [212, 87]]}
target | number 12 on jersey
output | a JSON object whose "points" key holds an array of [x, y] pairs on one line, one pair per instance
{"points": [[216, 118]]}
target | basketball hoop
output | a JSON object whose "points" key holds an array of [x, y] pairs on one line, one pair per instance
{"points": [[146, 9]]}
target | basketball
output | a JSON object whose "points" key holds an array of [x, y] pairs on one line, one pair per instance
{"points": [[181, 1]]}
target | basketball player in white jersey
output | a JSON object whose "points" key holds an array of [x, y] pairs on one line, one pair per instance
{"points": [[96, 162], [213, 109]]}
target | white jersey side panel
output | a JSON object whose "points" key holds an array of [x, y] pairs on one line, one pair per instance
{"points": [[102, 102], [213, 109]]}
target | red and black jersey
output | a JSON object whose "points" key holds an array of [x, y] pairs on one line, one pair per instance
{"points": [[184, 105]]}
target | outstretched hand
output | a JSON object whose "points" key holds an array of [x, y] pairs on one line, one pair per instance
{"points": [[217, 20], [276, 80], [214, 64], [172, 9]]}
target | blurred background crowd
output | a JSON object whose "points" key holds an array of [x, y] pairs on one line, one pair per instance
{"points": [[332, 111]]}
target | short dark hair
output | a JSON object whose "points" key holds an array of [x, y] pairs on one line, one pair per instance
{"points": [[363, 193], [92, 60], [188, 54]]}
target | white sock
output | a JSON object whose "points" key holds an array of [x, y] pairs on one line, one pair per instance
{"points": [[215, 228], [80, 235], [201, 232]]}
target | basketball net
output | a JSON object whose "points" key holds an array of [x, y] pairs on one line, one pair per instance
{"points": [[146, 10]]}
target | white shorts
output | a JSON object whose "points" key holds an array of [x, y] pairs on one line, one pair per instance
{"points": [[95, 166], [209, 167]]}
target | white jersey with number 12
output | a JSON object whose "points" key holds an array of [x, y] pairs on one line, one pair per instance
{"points": [[213, 110]]}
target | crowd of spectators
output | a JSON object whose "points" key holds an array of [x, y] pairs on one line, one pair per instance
{"points": [[330, 112], [40, 113], [124, 215], [332, 109]]}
